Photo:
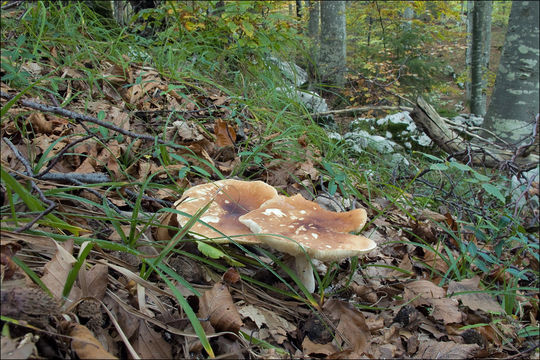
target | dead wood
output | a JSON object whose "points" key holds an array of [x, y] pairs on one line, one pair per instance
{"points": [[478, 151], [361, 109]]}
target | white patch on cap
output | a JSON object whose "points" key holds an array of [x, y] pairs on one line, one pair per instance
{"points": [[210, 219], [275, 212], [301, 228], [315, 235], [303, 212]]}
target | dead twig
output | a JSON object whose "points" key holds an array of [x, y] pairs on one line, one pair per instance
{"points": [[80, 117], [361, 109], [51, 204], [55, 160]]}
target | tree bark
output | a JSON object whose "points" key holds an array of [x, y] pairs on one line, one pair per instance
{"points": [[480, 57], [481, 153], [514, 103], [313, 33], [333, 36]]}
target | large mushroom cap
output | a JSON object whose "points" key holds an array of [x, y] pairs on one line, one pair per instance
{"points": [[299, 222], [230, 199]]}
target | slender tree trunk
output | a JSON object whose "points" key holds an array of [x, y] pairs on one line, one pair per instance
{"points": [[514, 103], [478, 56], [299, 9], [468, 51], [314, 19], [332, 61], [313, 33]]}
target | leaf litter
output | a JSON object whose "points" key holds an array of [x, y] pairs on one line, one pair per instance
{"points": [[394, 309]]}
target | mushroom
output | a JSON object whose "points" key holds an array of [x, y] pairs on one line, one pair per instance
{"points": [[230, 199], [303, 226]]}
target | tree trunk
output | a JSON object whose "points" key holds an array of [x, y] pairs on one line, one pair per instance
{"points": [[333, 36], [299, 9], [468, 51], [478, 56], [313, 33], [514, 103]]}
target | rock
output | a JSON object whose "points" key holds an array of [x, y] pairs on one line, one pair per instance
{"points": [[312, 102], [399, 127], [292, 72]]}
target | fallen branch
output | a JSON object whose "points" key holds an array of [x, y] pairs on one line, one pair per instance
{"points": [[486, 154], [80, 117], [51, 204], [361, 109]]}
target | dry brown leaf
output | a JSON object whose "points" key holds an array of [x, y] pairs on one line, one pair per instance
{"points": [[225, 134], [8, 248], [476, 300], [56, 271], [421, 292], [219, 100], [311, 348], [351, 325], [85, 345], [447, 310], [40, 123], [149, 344], [432, 349], [217, 304], [94, 281], [435, 261]]}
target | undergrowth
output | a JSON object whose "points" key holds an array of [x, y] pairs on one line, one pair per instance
{"points": [[485, 232]]}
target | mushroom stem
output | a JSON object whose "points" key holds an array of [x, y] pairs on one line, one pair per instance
{"points": [[305, 271]]}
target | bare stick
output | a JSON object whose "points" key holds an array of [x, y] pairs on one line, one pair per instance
{"points": [[361, 109], [60, 153], [81, 117], [51, 204]]}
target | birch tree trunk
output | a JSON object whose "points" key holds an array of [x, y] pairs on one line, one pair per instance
{"points": [[514, 103], [332, 54], [481, 38]]}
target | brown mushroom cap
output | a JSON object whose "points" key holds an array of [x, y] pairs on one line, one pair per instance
{"points": [[230, 199], [323, 234]]}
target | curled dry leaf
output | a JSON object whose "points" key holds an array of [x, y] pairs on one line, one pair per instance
{"points": [[351, 328], [225, 134], [85, 345], [217, 305]]}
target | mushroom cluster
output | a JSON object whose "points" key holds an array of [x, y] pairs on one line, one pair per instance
{"points": [[255, 212]]}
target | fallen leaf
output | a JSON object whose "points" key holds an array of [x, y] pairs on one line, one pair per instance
{"points": [[351, 326], [56, 271], [40, 123], [475, 299], [432, 349], [314, 349], [94, 281], [217, 305], [421, 292], [446, 309], [225, 134], [85, 345], [149, 344]]}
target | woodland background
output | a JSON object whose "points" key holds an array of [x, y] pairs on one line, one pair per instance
{"points": [[111, 110]]}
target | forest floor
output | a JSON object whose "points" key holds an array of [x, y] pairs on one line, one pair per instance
{"points": [[95, 156]]}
